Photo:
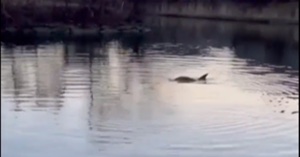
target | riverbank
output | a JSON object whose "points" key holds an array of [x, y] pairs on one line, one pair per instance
{"points": [[64, 31], [205, 30], [274, 13]]}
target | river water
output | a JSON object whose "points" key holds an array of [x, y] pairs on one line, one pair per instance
{"points": [[112, 97]]}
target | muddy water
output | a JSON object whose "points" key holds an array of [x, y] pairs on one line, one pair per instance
{"points": [[114, 98]]}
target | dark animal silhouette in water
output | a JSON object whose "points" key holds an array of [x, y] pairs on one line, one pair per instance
{"points": [[185, 79], [295, 112]]}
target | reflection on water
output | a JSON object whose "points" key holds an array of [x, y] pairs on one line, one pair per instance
{"points": [[114, 98]]}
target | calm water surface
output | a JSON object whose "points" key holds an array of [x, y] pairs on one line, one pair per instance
{"points": [[113, 98]]}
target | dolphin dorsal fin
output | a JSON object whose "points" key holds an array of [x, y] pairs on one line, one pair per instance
{"points": [[203, 77]]}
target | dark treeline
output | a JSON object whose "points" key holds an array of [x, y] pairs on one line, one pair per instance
{"points": [[235, 1], [82, 13], [91, 13], [212, 2]]}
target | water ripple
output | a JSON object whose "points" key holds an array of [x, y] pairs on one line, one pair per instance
{"points": [[125, 102]]}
